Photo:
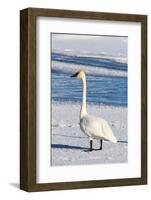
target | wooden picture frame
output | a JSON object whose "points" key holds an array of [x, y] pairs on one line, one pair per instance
{"points": [[28, 98]]}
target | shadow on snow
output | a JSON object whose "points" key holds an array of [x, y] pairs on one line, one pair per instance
{"points": [[64, 146], [122, 141]]}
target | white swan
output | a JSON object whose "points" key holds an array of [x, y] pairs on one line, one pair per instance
{"points": [[93, 127]]}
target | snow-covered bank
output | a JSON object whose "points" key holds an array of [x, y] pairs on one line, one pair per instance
{"points": [[70, 145], [116, 58], [71, 68]]}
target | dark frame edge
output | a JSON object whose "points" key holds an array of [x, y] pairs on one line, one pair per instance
{"points": [[23, 99], [27, 101], [94, 15], [40, 187], [144, 161]]}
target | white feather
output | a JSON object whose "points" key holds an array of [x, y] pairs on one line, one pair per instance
{"points": [[93, 127], [96, 128]]}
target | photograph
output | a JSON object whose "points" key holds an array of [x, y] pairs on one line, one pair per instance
{"points": [[89, 99]]}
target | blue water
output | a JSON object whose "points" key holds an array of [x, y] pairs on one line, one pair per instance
{"points": [[97, 62], [108, 90]]}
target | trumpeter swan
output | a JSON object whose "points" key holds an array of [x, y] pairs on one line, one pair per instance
{"points": [[93, 127]]}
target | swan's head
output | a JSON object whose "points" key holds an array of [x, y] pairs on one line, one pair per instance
{"points": [[80, 74]]}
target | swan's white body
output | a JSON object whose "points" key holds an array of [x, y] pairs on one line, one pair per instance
{"points": [[96, 128], [93, 127]]}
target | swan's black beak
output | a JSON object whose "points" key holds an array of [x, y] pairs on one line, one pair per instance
{"points": [[75, 75]]}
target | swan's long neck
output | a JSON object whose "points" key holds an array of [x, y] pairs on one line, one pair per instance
{"points": [[83, 106]]}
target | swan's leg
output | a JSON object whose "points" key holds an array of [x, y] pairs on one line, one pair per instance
{"points": [[91, 141], [101, 142]]}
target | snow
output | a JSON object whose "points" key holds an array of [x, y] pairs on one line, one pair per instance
{"points": [[72, 68], [119, 58], [71, 147]]}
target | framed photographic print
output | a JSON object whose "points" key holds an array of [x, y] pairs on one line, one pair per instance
{"points": [[83, 99]]}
